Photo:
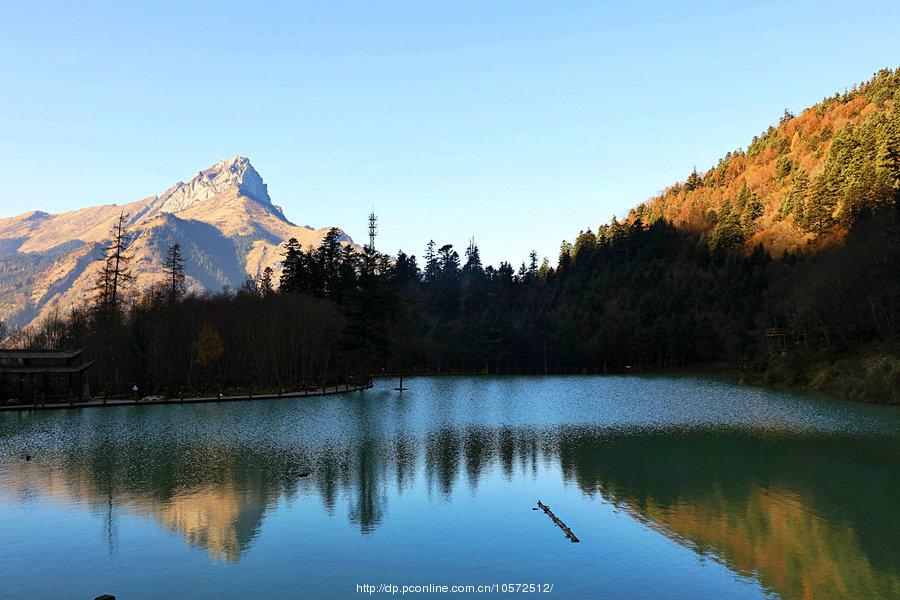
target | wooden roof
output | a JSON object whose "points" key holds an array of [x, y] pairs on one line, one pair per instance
{"points": [[62, 369], [46, 354]]}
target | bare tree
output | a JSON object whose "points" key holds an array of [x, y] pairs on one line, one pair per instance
{"points": [[112, 279], [114, 274]]}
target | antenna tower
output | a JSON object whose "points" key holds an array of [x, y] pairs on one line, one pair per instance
{"points": [[373, 228]]}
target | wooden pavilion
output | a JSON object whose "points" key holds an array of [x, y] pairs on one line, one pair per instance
{"points": [[32, 376]]}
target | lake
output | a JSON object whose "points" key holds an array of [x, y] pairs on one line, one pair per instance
{"points": [[677, 487]]}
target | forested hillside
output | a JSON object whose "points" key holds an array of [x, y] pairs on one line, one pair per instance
{"points": [[805, 180], [780, 263]]}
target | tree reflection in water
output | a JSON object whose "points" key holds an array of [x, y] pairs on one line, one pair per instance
{"points": [[807, 515]]}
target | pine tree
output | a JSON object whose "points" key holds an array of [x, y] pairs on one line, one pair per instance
{"points": [[753, 209], [352, 270], [292, 268], [328, 259], [265, 285], [586, 244], [783, 167], [565, 257], [743, 197], [795, 201], [728, 235], [446, 292], [173, 267], [544, 269], [532, 264], [473, 258], [693, 182], [432, 267], [889, 154], [818, 214], [405, 270], [449, 261]]}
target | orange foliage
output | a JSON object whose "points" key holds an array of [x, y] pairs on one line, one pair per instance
{"points": [[803, 140]]}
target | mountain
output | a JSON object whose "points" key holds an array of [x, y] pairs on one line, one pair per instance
{"points": [[223, 218], [802, 183]]}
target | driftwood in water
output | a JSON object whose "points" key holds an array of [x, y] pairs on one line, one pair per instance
{"points": [[558, 522]]}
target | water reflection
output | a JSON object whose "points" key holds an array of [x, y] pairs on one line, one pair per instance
{"points": [[809, 516], [806, 514]]}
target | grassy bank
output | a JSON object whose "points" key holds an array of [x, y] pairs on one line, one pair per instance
{"points": [[869, 373]]}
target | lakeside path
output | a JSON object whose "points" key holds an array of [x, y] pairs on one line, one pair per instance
{"points": [[328, 391]]}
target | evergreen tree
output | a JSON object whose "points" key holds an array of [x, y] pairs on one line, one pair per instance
{"points": [[545, 268], [795, 202], [292, 267], [328, 260], [743, 197], [352, 269], [265, 285], [473, 258], [173, 267], [432, 267], [783, 167], [449, 262], [889, 154], [405, 272], [585, 245], [693, 182], [728, 235], [532, 265], [753, 210], [818, 213]]}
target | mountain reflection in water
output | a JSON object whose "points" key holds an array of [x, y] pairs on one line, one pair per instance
{"points": [[807, 514]]}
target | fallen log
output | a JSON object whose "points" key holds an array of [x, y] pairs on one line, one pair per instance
{"points": [[558, 522]]}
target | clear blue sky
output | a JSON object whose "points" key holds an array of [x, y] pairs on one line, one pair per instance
{"points": [[518, 123]]}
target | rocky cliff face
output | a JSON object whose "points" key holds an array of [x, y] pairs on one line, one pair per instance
{"points": [[226, 175], [224, 219]]}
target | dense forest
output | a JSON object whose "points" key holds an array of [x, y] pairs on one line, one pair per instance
{"points": [[780, 262]]}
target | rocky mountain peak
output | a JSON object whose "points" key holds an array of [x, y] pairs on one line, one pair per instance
{"points": [[223, 218], [229, 174]]}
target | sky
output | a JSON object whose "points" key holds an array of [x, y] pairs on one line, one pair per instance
{"points": [[516, 123]]}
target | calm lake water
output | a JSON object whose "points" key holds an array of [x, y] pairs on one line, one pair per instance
{"points": [[678, 487]]}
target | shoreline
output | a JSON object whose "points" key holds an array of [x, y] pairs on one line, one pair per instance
{"points": [[844, 377], [94, 403]]}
